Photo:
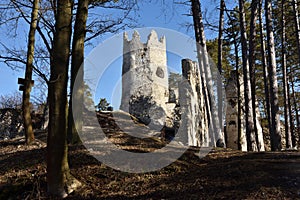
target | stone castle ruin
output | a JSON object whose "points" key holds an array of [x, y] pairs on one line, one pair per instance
{"points": [[146, 94], [193, 113], [145, 79], [233, 115]]}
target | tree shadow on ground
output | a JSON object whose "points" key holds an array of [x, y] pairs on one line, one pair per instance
{"points": [[220, 175]]}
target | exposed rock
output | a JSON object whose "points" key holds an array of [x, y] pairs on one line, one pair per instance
{"points": [[192, 109]]}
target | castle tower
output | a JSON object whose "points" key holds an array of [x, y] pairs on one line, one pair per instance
{"points": [[145, 78]]}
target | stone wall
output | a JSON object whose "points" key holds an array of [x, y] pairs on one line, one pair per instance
{"points": [[232, 109], [145, 79], [193, 115], [146, 93], [232, 113]]}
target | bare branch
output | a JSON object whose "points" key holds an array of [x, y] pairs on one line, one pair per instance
{"points": [[7, 59], [97, 27], [42, 75], [11, 59], [18, 8], [38, 28]]}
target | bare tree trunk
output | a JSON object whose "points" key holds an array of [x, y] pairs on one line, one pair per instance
{"points": [[265, 70], [220, 58], [297, 26], [252, 68], [295, 105], [275, 118], [204, 63], [58, 172], [76, 65], [291, 118], [46, 115], [239, 114], [284, 72], [203, 80], [29, 135], [250, 130]]}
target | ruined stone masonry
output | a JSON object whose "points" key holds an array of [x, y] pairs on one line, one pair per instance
{"points": [[145, 79], [232, 113], [193, 120], [232, 109], [146, 93]]}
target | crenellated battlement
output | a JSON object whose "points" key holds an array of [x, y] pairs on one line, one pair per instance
{"points": [[152, 40]]}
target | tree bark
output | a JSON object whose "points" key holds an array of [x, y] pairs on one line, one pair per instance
{"points": [[250, 129], [239, 125], [220, 58], [264, 66], [77, 72], [205, 68], [29, 134], [297, 26], [291, 118], [58, 173], [252, 69], [275, 118], [295, 104], [287, 124]]}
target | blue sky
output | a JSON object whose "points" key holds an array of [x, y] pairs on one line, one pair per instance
{"points": [[155, 14]]}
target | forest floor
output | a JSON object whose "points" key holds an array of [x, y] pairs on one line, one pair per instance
{"points": [[222, 174]]}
